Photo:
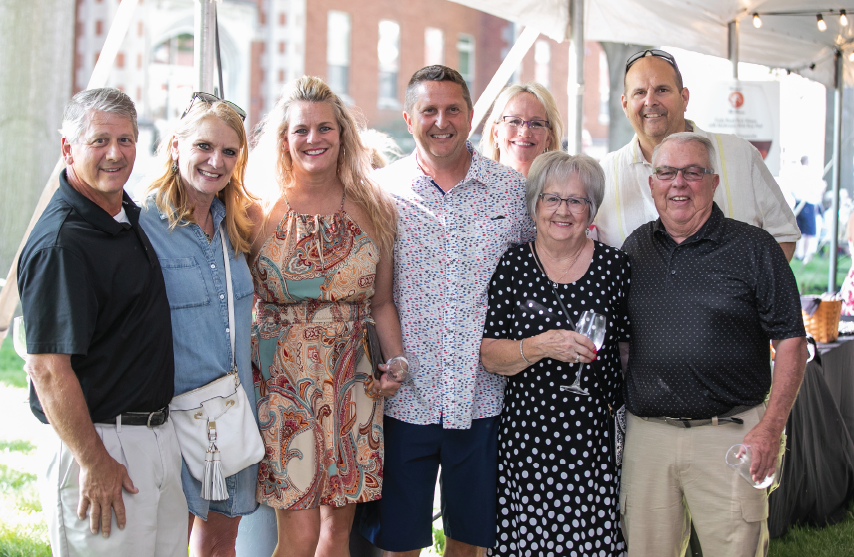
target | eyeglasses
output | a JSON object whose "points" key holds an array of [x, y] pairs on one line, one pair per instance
{"points": [[651, 52], [576, 205], [533, 125], [210, 99], [690, 173]]}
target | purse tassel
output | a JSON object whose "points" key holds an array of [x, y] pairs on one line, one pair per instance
{"points": [[213, 483]]}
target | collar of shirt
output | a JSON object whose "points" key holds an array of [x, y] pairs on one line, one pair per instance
{"points": [[475, 174], [217, 210], [92, 213], [637, 154], [712, 229]]}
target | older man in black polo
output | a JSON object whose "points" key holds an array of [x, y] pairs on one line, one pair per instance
{"points": [[708, 294], [99, 336]]}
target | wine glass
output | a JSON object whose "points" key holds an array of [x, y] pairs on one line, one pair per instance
{"points": [[404, 367], [592, 325], [19, 337], [739, 457]]}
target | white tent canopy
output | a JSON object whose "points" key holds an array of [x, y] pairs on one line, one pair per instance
{"points": [[784, 41]]}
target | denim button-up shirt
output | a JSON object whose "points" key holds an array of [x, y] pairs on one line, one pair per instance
{"points": [[195, 285]]}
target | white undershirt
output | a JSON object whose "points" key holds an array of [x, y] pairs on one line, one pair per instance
{"points": [[121, 216]]}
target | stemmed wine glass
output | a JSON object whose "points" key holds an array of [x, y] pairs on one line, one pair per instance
{"points": [[591, 325], [19, 337]]}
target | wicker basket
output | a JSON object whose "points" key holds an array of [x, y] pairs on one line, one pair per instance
{"points": [[824, 323]]}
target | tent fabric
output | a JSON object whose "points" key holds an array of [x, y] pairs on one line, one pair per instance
{"points": [[790, 42]]}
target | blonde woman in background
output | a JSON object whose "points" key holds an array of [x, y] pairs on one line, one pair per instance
{"points": [[524, 124], [321, 259]]}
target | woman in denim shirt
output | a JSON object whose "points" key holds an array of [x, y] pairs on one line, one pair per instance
{"points": [[200, 195]]}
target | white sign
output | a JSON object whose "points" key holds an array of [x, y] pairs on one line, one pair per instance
{"points": [[748, 109]]}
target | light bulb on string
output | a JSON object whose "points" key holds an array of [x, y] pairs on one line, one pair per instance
{"points": [[822, 25], [843, 18], [851, 56], [757, 21]]}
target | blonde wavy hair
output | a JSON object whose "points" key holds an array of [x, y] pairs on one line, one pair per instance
{"points": [[354, 159], [170, 194], [489, 147]]}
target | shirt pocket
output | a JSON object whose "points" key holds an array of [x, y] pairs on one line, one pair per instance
{"points": [[185, 286], [489, 240]]}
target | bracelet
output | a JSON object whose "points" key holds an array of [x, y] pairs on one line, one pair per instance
{"points": [[522, 353]]}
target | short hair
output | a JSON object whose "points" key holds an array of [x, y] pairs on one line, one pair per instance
{"points": [[679, 84], [487, 142], [434, 73], [682, 138], [354, 163], [381, 146], [560, 166], [75, 118], [170, 194]]}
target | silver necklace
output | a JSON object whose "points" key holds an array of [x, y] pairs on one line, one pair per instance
{"points": [[574, 259]]}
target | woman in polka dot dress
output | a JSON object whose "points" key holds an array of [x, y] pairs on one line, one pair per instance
{"points": [[557, 478]]}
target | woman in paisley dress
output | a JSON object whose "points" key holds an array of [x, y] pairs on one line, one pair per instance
{"points": [[322, 268]]}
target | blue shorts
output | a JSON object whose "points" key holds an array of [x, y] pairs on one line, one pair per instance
{"points": [[402, 519]]}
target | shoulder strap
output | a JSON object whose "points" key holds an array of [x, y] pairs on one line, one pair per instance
{"points": [[231, 332], [559, 300]]}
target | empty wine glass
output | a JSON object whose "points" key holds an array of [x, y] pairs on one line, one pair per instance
{"points": [[592, 325], [739, 457], [404, 367], [19, 337]]}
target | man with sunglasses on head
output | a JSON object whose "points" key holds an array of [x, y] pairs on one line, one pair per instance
{"points": [[99, 338], [708, 294], [654, 100]]}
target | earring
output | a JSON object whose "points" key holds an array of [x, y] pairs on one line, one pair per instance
{"points": [[174, 166]]}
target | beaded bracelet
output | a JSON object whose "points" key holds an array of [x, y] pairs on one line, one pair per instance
{"points": [[521, 353]]}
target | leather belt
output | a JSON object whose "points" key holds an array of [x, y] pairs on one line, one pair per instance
{"points": [[149, 419], [725, 418]]}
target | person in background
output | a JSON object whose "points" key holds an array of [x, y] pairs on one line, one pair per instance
{"points": [[524, 123], [321, 260], [197, 204], [99, 340], [708, 294], [847, 291], [655, 101], [459, 212], [554, 444], [381, 146]]}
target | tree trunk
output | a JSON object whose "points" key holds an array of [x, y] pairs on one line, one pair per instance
{"points": [[36, 70], [620, 129]]}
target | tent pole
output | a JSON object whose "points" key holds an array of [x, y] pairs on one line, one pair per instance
{"points": [[732, 46], [204, 44], [837, 173], [502, 75], [575, 90]]}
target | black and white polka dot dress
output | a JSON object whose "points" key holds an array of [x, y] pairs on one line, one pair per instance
{"points": [[557, 482]]}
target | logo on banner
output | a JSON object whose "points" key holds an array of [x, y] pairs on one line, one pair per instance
{"points": [[736, 99]]}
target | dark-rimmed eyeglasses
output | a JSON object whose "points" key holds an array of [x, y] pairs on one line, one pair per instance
{"points": [[690, 173], [576, 205], [533, 125], [651, 52], [210, 99]]}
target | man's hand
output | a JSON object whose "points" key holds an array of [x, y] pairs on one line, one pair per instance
{"points": [[764, 447], [101, 493]]}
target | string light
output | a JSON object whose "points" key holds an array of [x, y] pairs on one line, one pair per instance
{"points": [[843, 18], [822, 25], [851, 56], [757, 21]]}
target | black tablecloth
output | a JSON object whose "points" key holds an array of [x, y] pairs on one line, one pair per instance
{"points": [[818, 473]]}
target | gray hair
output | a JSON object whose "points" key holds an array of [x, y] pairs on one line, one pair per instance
{"points": [[434, 73], [106, 99], [558, 166], [682, 138], [489, 147]]}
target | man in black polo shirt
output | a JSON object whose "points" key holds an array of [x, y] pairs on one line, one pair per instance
{"points": [[99, 338], [708, 293]]}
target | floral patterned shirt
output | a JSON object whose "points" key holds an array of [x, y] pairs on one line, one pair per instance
{"points": [[847, 293], [448, 245]]}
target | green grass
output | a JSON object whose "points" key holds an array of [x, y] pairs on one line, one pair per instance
{"points": [[11, 368], [17, 445], [803, 541], [812, 278], [24, 541]]}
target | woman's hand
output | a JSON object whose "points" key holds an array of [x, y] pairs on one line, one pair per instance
{"points": [[563, 345], [385, 385]]}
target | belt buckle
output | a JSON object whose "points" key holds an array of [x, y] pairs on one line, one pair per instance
{"points": [[683, 422], [150, 416]]}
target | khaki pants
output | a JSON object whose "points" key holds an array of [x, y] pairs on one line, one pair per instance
{"points": [[673, 476], [156, 516]]}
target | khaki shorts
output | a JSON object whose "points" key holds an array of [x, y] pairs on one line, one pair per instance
{"points": [[156, 516]]}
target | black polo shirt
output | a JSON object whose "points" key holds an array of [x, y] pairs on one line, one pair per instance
{"points": [[92, 288], [702, 315]]}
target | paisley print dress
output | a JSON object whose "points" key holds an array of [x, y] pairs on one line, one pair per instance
{"points": [[314, 278]]}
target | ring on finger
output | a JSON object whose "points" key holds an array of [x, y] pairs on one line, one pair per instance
{"points": [[576, 358]]}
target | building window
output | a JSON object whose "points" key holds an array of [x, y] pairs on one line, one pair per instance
{"points": [[542, 62], [120, 60], [465, 60], [281, 47], [388, 50], [434, 46], [262, 17], [604, 89], [282, 18], [338, 52], [99, 28]]}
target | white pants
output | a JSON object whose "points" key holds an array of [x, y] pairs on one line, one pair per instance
{"points": [[156, 516]]}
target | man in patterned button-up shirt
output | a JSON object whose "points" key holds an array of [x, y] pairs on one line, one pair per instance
{"points": [[459, 212]]}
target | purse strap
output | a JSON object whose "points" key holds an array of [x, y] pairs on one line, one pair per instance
{"points": [[548, 280], [228, 288]]}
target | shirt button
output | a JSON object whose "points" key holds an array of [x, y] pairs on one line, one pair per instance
{"points": [[213, 266], [672, 272], [221, 296], [227, 330]]}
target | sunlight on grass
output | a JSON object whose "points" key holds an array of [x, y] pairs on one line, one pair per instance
{"points": [[11, 367]]}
